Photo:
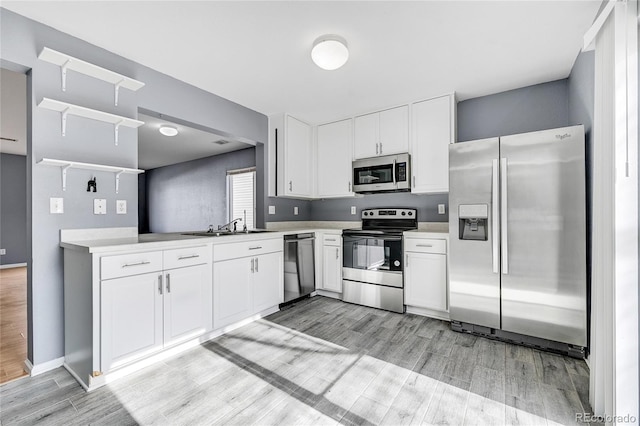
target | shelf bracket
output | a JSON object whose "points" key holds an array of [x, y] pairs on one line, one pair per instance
{"points": [[65, 112], [63, 69], [117, 90], [118, 180], [64, 176], [118, 124]]}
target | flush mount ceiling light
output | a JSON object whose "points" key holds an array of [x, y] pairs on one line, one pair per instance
{"points": [[168, 130], [330, 52]]}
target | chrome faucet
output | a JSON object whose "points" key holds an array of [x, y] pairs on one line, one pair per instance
{"points": [[244, 226], [228, 225]]}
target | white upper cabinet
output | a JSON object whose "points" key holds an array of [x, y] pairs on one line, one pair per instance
{"points": [[382, 133], [334, 153], [292, 141], [433, 129]]}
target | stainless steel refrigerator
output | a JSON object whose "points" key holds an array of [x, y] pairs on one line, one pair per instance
{"points": [[517, 229]]}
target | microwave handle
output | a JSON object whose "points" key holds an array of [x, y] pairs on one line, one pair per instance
{"points": [[394, 172]]}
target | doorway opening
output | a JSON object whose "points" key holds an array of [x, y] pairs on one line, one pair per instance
{"points": [[13, 225]]}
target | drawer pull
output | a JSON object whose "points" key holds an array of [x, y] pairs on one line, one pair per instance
{"points": [[329, 239], [193, 256], [424, 245], [144, 262], [255, 248]]}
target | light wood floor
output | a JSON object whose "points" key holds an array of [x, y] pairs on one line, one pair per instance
{"points": [[13, 323], [322, 362]]}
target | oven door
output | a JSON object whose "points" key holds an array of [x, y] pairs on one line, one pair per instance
{"points": [[372, 252]]}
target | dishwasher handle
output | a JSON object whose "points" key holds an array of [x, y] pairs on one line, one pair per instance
{"points": [[299, 237]]}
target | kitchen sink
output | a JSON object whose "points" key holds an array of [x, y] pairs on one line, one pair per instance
{"points": [[223, 233]]}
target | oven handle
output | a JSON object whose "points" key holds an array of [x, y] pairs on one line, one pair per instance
{"points": [[377, 236]]}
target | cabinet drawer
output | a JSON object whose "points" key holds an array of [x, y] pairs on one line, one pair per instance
{"points": [[331, 240], [188, 256], [425, 245], [244, 249], [130, 264]]}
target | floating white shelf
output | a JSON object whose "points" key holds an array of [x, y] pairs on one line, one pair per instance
{"points": [[66, 62], [66, 108], [66, 165]]}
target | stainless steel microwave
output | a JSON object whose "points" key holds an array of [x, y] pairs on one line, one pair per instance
{"points": [[388, 173]]}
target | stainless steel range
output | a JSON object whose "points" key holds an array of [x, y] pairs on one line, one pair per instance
{"points": [[372, 272]]}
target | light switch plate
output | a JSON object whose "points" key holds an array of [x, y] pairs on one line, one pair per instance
{"points": [[121, 206], [99, 206], [272, 209], [295, 210], [56, 205], [441, 209], [353, 209]]}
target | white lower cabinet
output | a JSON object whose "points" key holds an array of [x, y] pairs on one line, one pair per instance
{"points": [[131, 318], [425, 275], [244, 286], [143, 314], [332, 263], [186, 300]]}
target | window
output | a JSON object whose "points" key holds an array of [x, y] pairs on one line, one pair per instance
{"points": [[241, 190]]}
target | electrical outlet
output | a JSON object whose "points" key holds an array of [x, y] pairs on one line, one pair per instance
{"points": [[295, 210], [56, 205], [121, 206], [272, 209], [3, 252], [353, 209], [441, 209], [99, 206]]}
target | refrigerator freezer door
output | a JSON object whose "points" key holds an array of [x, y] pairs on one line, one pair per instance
{"points": [[474, 280], [544, 282]]}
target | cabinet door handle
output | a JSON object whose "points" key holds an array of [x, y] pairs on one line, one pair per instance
{"points": [[252, 267], [380, 147], [414, 180], [290, 185], [376, 149], [160, 284], [144, 262], [337, 253], [256, 264], [349, 186], [188, 257], [168, 283], [255, 248], [406, 261]]}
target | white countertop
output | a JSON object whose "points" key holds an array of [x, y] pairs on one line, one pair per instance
{"points": [[108, 240]]}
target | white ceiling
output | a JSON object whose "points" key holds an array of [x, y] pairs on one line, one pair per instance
{"points": [[157, 150], [13, 112], [258, 53]]}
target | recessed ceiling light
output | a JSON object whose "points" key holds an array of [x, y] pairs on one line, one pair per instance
{"points": [[168, 130], [330, 52]]}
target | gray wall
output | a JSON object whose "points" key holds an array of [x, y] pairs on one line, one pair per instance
{"points": [[13, 208], [528, 109], [192, 195], [89, 141], [340, 209]]}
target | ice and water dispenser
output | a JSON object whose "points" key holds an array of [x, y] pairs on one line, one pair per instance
{"points": [[473, 221]]}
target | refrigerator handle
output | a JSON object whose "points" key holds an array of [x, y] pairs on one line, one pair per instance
{"points": [[503, 216], [495, 203]]}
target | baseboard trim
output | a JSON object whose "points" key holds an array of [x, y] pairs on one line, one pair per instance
{"points": [[428, 313], [35, 370], [13, 265], [329, 294]]}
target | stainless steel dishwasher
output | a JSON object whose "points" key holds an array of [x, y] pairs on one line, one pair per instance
{"points": [[299, 266]]}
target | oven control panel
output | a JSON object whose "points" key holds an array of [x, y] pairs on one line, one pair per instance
{"points": [[391, 213]]}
